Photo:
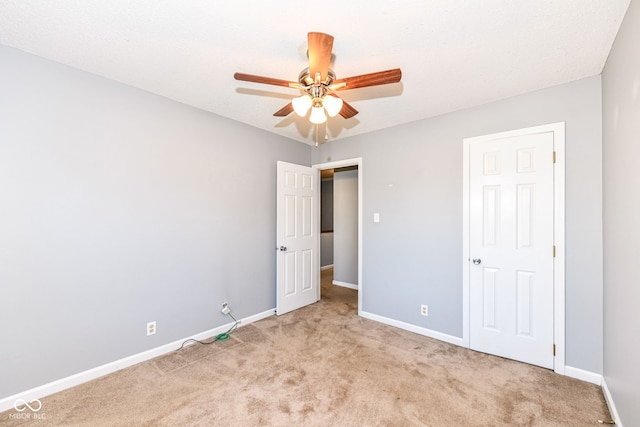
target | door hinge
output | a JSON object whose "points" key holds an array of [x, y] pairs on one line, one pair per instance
{"points": [[554, 349], [554, 157], [554, 251]]}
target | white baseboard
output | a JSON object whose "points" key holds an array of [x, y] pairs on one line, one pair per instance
{"points": [[326, 267], [8, 402], [345, 284], [609, 399], [259, 316], [581, 374], [413, 328]]}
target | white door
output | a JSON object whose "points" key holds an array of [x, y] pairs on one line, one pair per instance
{"points": [[511, 247], [298, 253]]}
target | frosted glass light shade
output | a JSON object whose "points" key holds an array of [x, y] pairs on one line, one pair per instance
{"points": [[301, 105], [317, 115], [332, 104]]}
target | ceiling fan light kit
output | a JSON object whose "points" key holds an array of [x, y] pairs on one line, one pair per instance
{"points": [[333, 105], [318, 82], [301, 105], [317, 115]]}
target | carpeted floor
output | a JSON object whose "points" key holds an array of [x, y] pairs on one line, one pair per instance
{"points": [[325, 366]]}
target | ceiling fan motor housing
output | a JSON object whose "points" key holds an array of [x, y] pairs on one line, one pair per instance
{"points": [[307, 79]]}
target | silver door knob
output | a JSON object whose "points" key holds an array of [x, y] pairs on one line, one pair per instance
{"points": [[477, 261], [283, 248]]}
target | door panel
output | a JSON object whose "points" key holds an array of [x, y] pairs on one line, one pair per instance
{"points": [[511, 208], [524, 289], [489, 298], [491, 214], [289, 260], [297, 265]]}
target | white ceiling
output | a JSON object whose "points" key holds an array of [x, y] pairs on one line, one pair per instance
{"points": [[453, 54]]}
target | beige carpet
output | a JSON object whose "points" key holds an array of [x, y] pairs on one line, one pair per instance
{"points": [[325, 366]]}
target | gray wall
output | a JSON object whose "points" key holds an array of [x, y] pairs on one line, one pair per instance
{"points": [[118, 207], [326, 204], [621, 151], [413, 177], [326, 249], [326, 222], [345, 225]]}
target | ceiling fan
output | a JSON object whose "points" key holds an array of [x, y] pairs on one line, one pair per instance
{"points": [[319, 84]]}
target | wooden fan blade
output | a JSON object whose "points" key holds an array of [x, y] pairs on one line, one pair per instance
{"points": [[284, 111], [347, 110], [261, 79], [372, 79], [320, 46]]}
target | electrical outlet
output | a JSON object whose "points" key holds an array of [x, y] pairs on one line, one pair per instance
{"points": [[424, 310], [151, 328], [225, 308]]}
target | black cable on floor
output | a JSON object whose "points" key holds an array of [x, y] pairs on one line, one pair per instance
{"points": [[220, 337]]}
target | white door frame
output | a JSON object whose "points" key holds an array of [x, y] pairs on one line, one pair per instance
{"points": [[341, 164], [558, 130]]}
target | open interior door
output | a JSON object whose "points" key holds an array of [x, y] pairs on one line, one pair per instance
{"points": [[298, 242]]}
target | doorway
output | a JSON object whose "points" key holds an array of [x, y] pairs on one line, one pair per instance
{"points": [[348, 167]]}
